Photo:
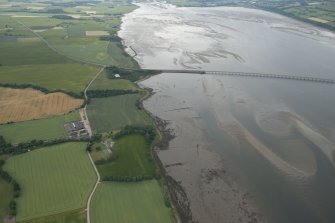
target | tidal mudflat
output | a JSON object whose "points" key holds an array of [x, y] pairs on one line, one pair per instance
{"points": [[245, 149]]}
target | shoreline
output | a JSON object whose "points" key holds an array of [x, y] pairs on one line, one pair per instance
{"points": [[177, 195]]}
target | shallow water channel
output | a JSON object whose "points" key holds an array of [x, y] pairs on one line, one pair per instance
{"points": [[246, 149]]}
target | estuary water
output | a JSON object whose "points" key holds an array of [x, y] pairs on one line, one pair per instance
{"points": [[246, 149]]}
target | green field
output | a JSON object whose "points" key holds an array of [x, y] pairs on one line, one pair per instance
{"points": [[22, 53], [78, 216], [129, 202], [54, 180], [103, 82], [6, 195], [69, 77], [70, 40], [42, 129], [133, 158], [96, 51], [106, 114]]}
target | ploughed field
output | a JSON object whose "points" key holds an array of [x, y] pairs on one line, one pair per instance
{"points": [[27, 104], [53, 179]]}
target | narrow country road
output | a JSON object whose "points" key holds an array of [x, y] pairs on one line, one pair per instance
{"points": [[89, 130]]}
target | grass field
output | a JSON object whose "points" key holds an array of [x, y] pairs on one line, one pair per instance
{"points": [[133, 158], [78, 216], [70, 40], [69, 77], [54, 180], [103, 82], [24, 53], [96, 51], [129, 202], [43, 129], [28, 104], [110, 113], [6, 195]]}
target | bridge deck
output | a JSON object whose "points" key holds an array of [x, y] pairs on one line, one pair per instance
{"points": [[260, 75]]}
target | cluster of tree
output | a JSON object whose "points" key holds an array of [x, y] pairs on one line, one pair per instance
{"points": [[53, 11], [16, 187], [71, 3], [94, 138], [108, 93], [126, 178], [65, 17], [129, 74], [104, 161], [42, 89], [3, 143], [6, 148], [146, 130], [114, 38]]}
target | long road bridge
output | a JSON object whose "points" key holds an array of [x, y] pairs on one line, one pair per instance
{"points": [[259, 75]]}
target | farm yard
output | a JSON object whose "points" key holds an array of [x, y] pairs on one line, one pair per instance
{"points": [[42, 129], [27, 104], [132, 159], [115, 112], [144, 200], [54, 180]]}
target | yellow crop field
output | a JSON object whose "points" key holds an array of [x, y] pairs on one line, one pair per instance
{"points": [[27, 104]]}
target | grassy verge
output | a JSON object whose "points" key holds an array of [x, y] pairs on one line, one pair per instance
{"points": [[54, 180], [131, 203], [43, 129]]}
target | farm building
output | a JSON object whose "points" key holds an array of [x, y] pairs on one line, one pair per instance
{"points": [[76, 130]]}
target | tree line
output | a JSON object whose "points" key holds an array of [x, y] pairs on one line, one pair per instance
{"points": [[42, 89], [15, 185], [146, 130], [127, 178], [7, 148], [108, 93]]}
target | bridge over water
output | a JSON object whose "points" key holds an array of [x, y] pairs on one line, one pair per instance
{"points": [[259, 75]]}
